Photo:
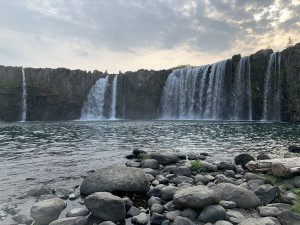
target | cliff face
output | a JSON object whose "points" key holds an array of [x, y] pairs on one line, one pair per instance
{"points": [[59, 94]]}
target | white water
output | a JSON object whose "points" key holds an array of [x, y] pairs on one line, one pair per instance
{"points": [[114, 98], [24, 97], [93, 107]]}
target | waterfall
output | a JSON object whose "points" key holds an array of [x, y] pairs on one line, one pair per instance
{"points": [[24, 97], [93, 107], [114, 98], [124, 97], [241, 94], [272, 89]]}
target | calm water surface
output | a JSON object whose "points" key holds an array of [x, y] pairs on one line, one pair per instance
{"points": [[60, 153]]}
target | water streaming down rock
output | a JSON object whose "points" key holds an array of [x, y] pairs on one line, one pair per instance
{"points": [[93, 107], [24, 97], [272, 89], [124, 97], [114, 98]]}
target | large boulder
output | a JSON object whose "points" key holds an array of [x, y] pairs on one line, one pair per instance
{"points": [[195, 197], [243, 197], [115, 178], [267, 193], [46, 211], [242, 159], [164, 158], [104, 205], [288, 218], [212, 214]]}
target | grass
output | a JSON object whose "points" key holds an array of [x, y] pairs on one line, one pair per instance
{"points": [[145, 156], [289, 154], [273, 179], [196, 166], [296, 207]]}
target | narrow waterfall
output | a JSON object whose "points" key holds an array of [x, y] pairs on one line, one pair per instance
{"points": [[272, 89], [114, 98], [124, 97], [93, 107], [24, 97], [241, 94]]}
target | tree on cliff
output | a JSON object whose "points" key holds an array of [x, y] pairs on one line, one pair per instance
{"points": [[290, 43]]}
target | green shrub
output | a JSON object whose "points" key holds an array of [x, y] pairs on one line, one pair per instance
{"points": [[273, 179], [296, 206], [145, 156], [196, 166]]}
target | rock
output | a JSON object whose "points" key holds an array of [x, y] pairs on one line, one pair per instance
{"points": [[156, 191], [263, 157], [151, 171], [234, 216], [154, 200], [104, 205], [183, 221], [172, 215], [107, 223], [195, 197], [267, 193], [268, 211], [168, 192], [258, 221], [22, 219], [162, 179], [46, 211], [295, 181], [36, 192], [294, 149], [223, 222], [243, 197], [226, 166], [140, 219], [170, 206], [131, 156], [229, 173], [190, 214], [242, 159], [62, 193], [157, 218], [165, 158], [133, 211], [128, 203], [253, 184], [149, 163], [228, 204], [115, 178], [182, 171], [133, 164], [252, 176], [137, 152], [155, 182], [78, 212], [288, 218], [157, 208], [212, 214], [72, 196], [281, 206], [150, 178], [220, 178], [208, 167], [70, 221], [181, 179], [200, 178]]}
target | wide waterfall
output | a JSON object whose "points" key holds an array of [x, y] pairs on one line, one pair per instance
{"points": [[93, 107], [24, 97], [272, 89], [114, 98]]}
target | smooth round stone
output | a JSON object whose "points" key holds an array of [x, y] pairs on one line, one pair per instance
{"points": [[72, 196], [78, 212]]}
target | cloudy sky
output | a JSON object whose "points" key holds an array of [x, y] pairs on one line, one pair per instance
{"points": [[127, 35]]}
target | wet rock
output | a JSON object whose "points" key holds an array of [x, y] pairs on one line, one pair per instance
{"points": [[157, 218], [133, 164], [195, 197], [212, 214], [181, 179], [157, 208], [36, 192], [72, 196], [263, 157], [168, 192], [288, 218], [190, 214], [140, 219], [131, 156], [183, 221], [226, 166], [294, 149], [165, 158], [242, 159], [133, 211], [70, 221], [243, 197], [172, 215], [182, 171], [22, 219], [138, 152], [62, 193], [115, 178], [149, 163], [267, 193], [234, 216], [78, 212], [44, 212], [104, 205]]}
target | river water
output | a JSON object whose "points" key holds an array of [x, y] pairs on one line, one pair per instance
{"points": [[61, 153]]}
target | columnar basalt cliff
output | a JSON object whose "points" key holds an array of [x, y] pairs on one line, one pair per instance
{"points": [[263, 86]]}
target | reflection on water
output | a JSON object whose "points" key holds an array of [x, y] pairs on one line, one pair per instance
{"points": [[58, 153]]}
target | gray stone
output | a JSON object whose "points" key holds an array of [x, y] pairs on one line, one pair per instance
{"points": [[223, 222], [252, 176], [263, 157], [138, 152], [155, 182], [133, 211], [78, 212], [157, 218], [242, 159], [229, 173], [157, 208], [162, 179], [190, 214], [133, 164], [168, 192], [181, 179], [151, 171], [195, 197], [46, 211], [70, 221], [170, 206], [150, 178], [149, 163], [226, 166], [107, 223], [220, 178], [115, 178], [183, 221], [140, 219], [228, 204], [200, 178], [281, 206], [184, 185], [72, 196], [268, 211], [253, 184], [208, 167], [169, 169], [165, 158], [156, 191], [22, 219], [267, 193], [154, 200], [36, 192], [234, 216], [295, 181], [182, 171], [62, 193], [212, 214], [128, 202], [166, 222], [258, 221], [288, 218], [243, 197], [104, 205], [172, 215]]}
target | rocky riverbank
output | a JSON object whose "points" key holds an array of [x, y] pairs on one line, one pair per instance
{"points": [[163, 188]]}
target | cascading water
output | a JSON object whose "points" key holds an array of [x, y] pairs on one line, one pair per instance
{"points": [[272, 89], [24, 97], [124, 97], [114, 98], [93, 107]]}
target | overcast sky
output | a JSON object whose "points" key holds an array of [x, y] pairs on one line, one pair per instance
{"points": [[127, 35]]}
